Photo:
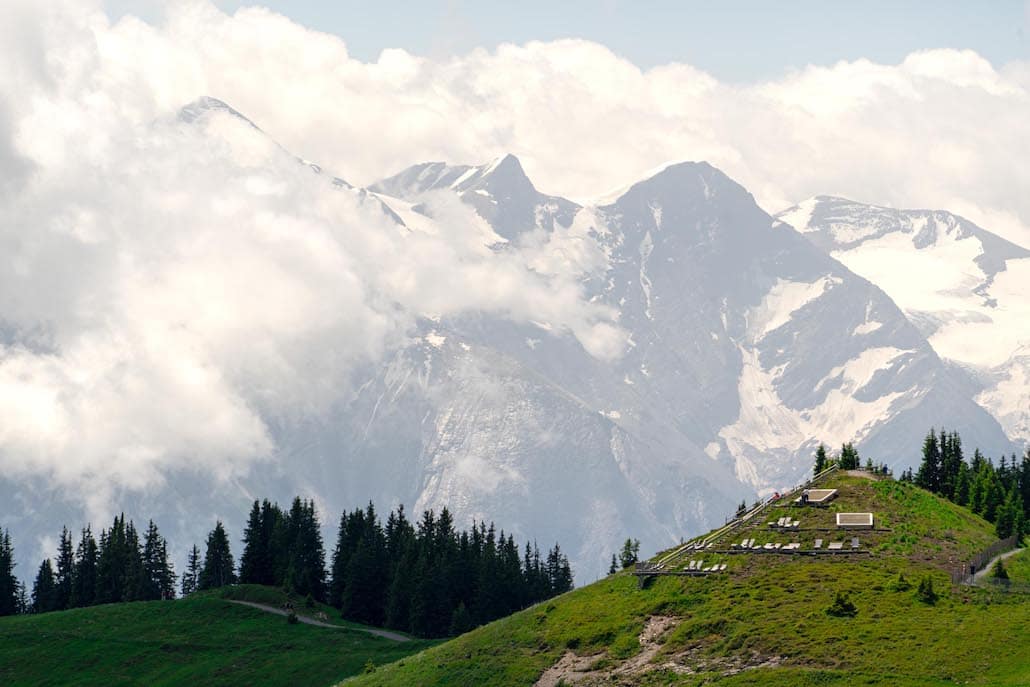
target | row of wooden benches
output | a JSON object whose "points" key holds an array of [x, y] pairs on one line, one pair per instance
{"points": [[818, 544]]}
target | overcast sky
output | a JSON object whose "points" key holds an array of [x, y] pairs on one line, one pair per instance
{"points": [[170, 290]]}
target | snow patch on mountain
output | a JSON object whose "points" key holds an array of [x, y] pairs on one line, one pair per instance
{"points": [[783, 300], [965, 288]]}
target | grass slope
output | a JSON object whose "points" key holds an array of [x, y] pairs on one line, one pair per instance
{"points": [[764, 621], [203, 640]]}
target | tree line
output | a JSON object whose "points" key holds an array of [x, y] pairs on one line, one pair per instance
{"points": [[122, 566], [1000, 494], [426, 578]]}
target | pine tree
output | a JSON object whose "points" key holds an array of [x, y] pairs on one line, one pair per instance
{"points": [[64, 578], [1007, 513], [613, 568], [258, 563], [84, 578], [307, 554], [9, 586], [963, 485], [218, 562], [929, 475], [630, 553], [158, 574], [44, 591], [191, 578], [461, 621], [120, 574], [849, 459], [821, 460]]}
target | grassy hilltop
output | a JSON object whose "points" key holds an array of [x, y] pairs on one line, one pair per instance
{"points": [[764, 620], [202, 640]]}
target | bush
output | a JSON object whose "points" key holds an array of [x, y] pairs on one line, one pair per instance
{"points": [[291, 618], [842, 607], [309, 602], [901, 584], [999, 572], [926, 593]]}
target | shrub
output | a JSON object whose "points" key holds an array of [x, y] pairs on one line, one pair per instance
{"points": [[926, 593], [901, 584], [842, 607], [999, 572], [291, 618]]}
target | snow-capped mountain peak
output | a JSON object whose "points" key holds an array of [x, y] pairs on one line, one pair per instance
{"points": [[964, 287], [499, 190], [204, 106]]}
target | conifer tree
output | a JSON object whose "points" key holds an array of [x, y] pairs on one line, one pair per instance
{"points": [[158, 574], [44, 591], [64, 576], [849, 459], [9, 587], [630, 553], [613, 568], [218, 570], [821, 460], [929, 475], [84, 578], [962, 485], [306, 570], [252, 561], [191, 578]]}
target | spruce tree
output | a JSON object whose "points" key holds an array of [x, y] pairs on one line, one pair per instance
{"points": [[44, 591], [962, 485], [613, 568], [929, 474], [64, 577], [630, 553], [218, 570], [191, 578], [307, 554], [9, 587], [821, 460], [252, 561], [849, 459], [84, 578], [159, 576]]}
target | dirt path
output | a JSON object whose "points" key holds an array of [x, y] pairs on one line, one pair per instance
{"points": [[386, 634], [981, 574]]}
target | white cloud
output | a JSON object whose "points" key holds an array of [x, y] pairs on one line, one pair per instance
{"points": [[166, 289]]}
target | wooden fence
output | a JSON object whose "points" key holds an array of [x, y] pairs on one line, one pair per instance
{"points": [[977, 563]]}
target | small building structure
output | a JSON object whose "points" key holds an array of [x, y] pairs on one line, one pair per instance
{"points": [[816, 497], [855, 521]]}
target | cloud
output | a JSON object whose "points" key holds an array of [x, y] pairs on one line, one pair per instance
{"points": [[943, 128], [168, 291], [172, 287]]}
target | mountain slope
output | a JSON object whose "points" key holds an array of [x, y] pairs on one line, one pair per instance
{"points": [[203, 640], [962, 286], [763, 621]]}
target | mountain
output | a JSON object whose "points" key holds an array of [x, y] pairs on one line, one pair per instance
{"points": [[747, 346], [962, 286], [500, 192]]}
